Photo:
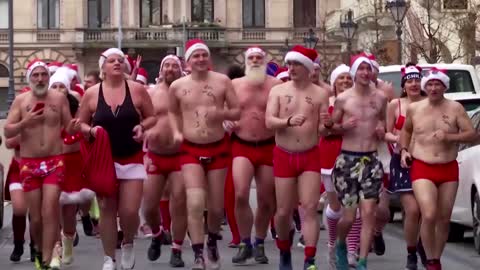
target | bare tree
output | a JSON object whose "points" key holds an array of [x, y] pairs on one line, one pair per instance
{"points": [[328, 60], [436, 35]]}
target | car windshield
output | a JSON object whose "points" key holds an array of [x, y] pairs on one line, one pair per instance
{"points": [[460, 80]]}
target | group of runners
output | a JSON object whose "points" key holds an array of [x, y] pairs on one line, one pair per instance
{"points": [[199, 138]]}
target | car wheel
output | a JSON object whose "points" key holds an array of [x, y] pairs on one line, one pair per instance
{"points": [[476, 221], [456, 232]]}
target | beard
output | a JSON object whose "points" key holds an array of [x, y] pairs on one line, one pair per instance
{"points": [[39, 89], [256, 74], [170, 77]]}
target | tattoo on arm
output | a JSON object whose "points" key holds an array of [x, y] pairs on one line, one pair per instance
{"points": [[445, 119]]}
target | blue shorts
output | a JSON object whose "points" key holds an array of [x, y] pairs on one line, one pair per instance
{"points": [[399, 177]]}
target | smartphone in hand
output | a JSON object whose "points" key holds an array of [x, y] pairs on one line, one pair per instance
{"points": [[38, 106]]}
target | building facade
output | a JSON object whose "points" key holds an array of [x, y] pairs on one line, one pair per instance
{"points": [[77, 31], [433, 30]]}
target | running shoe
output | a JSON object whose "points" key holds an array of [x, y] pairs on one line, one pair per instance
{"points": [[378, 244], [17, 251], [108, 263], [244, 253], [176, 258], [411, 262], [128, 256], [341, 261], [259, 254], [285, 261]]}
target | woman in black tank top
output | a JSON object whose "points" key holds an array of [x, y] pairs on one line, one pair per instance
{"points": [[125, 121]]}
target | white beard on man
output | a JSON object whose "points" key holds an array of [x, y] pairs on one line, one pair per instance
{"points": [[39, 89], [256, 74]]}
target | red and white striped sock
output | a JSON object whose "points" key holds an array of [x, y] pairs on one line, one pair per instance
{"points": [[332, 221], [353, 236]]}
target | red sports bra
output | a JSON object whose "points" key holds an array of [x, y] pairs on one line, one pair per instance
{"points": [[401, 118]]}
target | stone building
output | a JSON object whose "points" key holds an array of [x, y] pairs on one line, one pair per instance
{"points": [[79, 30]]}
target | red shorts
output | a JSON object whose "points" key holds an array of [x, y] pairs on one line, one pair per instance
{"points": [[258, 153], [35, 172], [211, 156], [290, 164], [162, 164], [74, 181], [13, 177], [330, 147], [437, 173]]}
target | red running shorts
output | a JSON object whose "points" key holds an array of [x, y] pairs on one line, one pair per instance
{"points": [[35, 172], [437, 173], [292, 164], [258, 153], [212, 156]]}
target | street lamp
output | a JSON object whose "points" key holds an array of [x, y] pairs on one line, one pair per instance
{"points": [[399, 9], [349, 28], [312, 39]]}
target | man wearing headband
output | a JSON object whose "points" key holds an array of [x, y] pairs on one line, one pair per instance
{"points": [[36, 117], [293, 111], [358, 173], [438, 126], [199, 103], [252, 146], [162, 163]]}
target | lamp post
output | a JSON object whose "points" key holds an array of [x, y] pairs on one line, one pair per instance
{"points": [[349, 27], [11, 82], [312, 39], [398, 9]]}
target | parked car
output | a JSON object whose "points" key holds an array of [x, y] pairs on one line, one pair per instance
{"points": [[466, 210]]}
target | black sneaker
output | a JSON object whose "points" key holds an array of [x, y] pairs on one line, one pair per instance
{"points": [[167, 238], [259, 254], [176, 258], [285, 261], [411, 262], [378, 244], [244, 253], [87, 225], [17, 251], [274, 233], [155, 249], [76, 240], [309, 264]]}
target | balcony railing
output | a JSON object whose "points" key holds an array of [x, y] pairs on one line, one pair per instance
{"points": [[48, 35]]}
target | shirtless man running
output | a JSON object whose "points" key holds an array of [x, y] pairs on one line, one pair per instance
{"points": [[438, 125], [358, 173], [252, 152], [197, 103], [162, 165], [38, 116], [293, 111]]}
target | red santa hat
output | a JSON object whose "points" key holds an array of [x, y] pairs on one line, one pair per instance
{"points": [[79, 89], [355, 62], [303, 55], [336, 72], [36, 63], [53, 66], [410, 72], [254, 50], [74, 68], [193, 45], [108, 53], [373, 60], [436, 74], [142, 76], [282, 73], [172, 57]]}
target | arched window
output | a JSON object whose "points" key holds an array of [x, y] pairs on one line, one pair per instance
{"points": [[3, 90]]}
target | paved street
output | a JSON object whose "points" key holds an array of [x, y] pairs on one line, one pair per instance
{"points": [[458, 256]]}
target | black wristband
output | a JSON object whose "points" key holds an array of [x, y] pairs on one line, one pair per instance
{"points": [[288, 121]]}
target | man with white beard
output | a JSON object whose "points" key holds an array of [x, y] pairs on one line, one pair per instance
{"points": [[36, 117], [252, 153]]}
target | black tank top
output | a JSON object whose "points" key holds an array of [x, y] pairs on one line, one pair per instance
{"points": [[119, 124]]}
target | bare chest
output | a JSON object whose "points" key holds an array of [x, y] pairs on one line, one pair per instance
{"points": [[303, 103], [425, 123], [363, 109], [201, 95], [254, 98], [52, 114]]}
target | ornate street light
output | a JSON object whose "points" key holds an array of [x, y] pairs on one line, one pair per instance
{"points": [[398, 9], [312, 39], [349, 27]]}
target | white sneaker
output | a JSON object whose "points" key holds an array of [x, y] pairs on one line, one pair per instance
{"points": [[331, 257], [352, 259], [128, 257], [55, 262], [67, 253], [108, 263]]}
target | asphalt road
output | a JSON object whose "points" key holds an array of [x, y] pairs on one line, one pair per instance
{"points": [[88, 254]]}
